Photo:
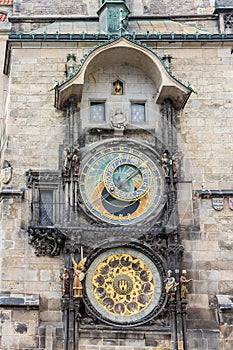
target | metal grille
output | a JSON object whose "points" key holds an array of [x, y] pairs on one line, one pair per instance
{"points": [[46, 207], [228, 20], [97, 111], [137, 112]]}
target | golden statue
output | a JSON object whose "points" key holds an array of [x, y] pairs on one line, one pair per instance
{"points": [[118, 88], [184, 285], [78, 277]]}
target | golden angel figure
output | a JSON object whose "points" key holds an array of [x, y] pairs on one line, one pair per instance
{"points": [[78, 277]]}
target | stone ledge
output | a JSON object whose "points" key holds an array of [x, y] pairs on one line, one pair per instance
{"points": [[209, 193], [126, 334], [6, 192], [223, 5], [20, 300], [225, 309], [225, 302]]}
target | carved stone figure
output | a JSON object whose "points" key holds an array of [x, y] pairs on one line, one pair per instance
{"points": [[175, 166], [65, 277], [71, 64], [166, 163], [71, 162], [119, 119], [75, 161], [78, 277], [6, 172], [184, 285], [67, 162], [46, 241], [171, 285]]}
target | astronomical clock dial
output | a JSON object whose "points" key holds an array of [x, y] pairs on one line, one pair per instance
{"points": [[121, 185], [124, 286]]}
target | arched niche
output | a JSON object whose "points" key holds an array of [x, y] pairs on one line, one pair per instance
{"points": [[124, 51]]}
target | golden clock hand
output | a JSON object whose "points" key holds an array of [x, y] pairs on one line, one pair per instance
{"points": [[101, 197], [121, 184], [130, 176]]}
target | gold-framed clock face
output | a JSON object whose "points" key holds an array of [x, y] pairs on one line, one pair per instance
{"points": [[124, 286], [121, 184]]}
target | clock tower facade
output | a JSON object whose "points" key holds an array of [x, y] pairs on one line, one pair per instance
{"points": [[114, 118], [121, 172]]}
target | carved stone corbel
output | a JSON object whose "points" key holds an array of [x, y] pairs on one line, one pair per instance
{"points": [[46, 241]]}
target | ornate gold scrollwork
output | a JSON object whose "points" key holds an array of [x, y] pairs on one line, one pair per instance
{"points": [[123, 284]]}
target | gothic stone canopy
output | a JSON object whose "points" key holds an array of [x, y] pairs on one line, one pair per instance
{"points": [[123, 50]]}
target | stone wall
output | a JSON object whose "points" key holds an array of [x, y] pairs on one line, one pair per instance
{"points": [[23, 273], [205, 130], [202, 15], [90, 7], [3, 91], [35, 129], [18, 328], [38, 8], [103, 340], [179, 7]]}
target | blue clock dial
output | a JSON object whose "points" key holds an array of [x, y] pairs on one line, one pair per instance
{"points": [[127, 178], [121, 185]]}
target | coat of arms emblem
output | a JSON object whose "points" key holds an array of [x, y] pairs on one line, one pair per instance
{"points": [[231, 203], [218, 203], [6, 173]]}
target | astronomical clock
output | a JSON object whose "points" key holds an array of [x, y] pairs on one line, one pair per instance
{"points": [[124, 286], [119, 202], [122, 188], [111, 208], [121, 184], [122, 195], [117, 231]]}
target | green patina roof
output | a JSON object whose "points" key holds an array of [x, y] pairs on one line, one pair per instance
{"points": [[134, 26]]}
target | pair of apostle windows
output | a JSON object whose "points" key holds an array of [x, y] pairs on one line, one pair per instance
{"points": [[137, 112]]}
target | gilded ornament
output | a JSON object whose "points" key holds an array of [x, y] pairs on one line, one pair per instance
{"points": [[78, 277], [119, 287], [124, 286]]}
